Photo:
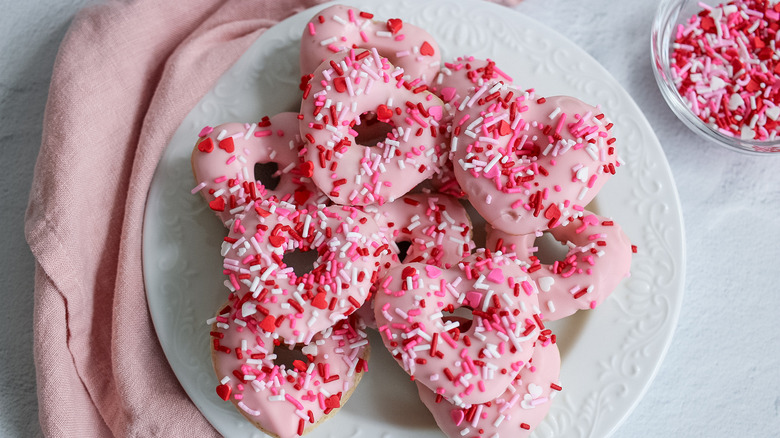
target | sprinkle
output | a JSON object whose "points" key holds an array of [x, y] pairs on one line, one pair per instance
{"points": [[725, 65]]}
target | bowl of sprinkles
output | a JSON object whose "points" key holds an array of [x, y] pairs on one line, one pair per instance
{"points": [[718, 67]]}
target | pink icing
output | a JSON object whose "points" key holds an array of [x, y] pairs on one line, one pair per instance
{"points": [[281, 400], [296, 307], [465, 361], [528, 163], [340, 28], [515, 413], [354, 174], [466, 76], [227, 154], [599, 257], [437, 225]]}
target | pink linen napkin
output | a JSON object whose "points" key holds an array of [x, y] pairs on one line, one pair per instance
{"points": [[126, 75]]}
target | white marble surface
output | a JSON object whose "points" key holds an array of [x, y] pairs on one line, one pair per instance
{"points": [[721, 377]]}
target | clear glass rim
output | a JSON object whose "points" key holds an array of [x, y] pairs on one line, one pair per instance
{"points": [[660, 42]]}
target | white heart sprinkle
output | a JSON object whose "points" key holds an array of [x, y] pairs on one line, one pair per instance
{"points": [[534, 390], [527, 402], [248, 309], [546, 283]]}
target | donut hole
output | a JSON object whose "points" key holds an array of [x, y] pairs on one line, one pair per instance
{"points": [[549, 250], [287, 357], [478, 230], [268, 175], [403, 249], [301, 261], [461, 315], [371, 131]]}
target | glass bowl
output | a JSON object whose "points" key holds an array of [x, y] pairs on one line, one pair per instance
{"points": [[670, 14]]}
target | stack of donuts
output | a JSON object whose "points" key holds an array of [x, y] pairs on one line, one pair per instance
{"points": [[361, 224]]}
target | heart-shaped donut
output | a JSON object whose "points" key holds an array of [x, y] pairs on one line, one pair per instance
{"points": [[529, 164], [285, 400], [347, 245], [599, 257], [465, 363], [339, 28], [465, 79], [224, 159], [345, 88], [437, 228], [515, 413]]}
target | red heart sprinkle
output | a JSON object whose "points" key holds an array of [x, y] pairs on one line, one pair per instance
{"points": [[426, 49], [268, 323], [228, 145], [504, 128], [224, 391], [207, 145], [708, 24], [276, 241], [319, 301], [394, 25], [307, 169], [383, 113], [340, 84], [301, 196], [218, 204], [333, 402]]}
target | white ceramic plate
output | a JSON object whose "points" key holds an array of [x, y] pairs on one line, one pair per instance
{"points": [[609, 355]]}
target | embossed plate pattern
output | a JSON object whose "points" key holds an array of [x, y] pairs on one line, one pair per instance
{"points": [[609, 355]]}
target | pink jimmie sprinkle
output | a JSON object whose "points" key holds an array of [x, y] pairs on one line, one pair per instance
{"points": [[205, 131], [723, 64]]}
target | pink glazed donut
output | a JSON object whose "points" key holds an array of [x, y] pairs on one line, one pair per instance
{"points": [[467, 78], [460, 84], [343, 89], [515, 413], [285, 400], [340, 28], [599, 257], [224, 157], [298, 305], [446, 183], [465, 362], [529, 164], [437, 227]]}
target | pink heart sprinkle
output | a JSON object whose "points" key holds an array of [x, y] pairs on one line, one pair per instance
{"points": [[493, 172], [496, 276], [433, 271], [205, 131], [448, 93], [436, 112], [473, 299], [457, 416]]}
